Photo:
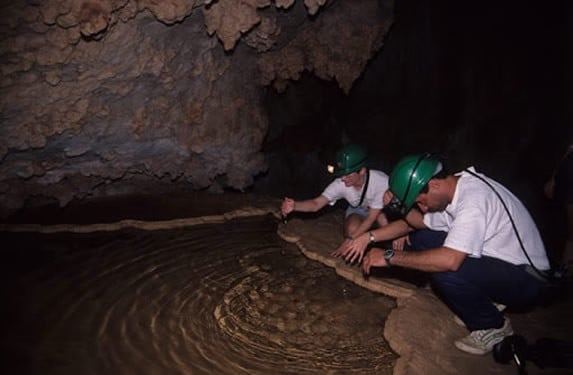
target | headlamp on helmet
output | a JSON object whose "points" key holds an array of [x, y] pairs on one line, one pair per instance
{"points": [[350, 158]]}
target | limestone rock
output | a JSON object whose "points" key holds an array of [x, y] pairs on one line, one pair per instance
{"points": [[340, 55], [101, 97], [231, 18]]}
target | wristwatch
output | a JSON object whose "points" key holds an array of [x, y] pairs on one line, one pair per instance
{"points": [[371, 237], [388, 254]]}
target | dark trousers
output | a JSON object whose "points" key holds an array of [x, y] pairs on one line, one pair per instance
{"points": [[424, 239], [471, 290]]}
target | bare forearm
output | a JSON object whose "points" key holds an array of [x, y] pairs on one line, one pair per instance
{"points": [[310, 205], [305, 206], [441, 259]]}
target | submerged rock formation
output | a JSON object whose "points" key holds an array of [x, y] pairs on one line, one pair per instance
{"points": [[103, 97]]}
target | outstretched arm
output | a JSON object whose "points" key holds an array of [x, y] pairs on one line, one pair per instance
{"points": [[310, 205], [440, 259]]}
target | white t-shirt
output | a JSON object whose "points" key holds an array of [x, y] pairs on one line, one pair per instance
{"points": [[478, 224], [377, 185]]}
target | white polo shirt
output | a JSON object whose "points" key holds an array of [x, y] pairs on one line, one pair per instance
{"points": [[478, 224], [377, 185]]}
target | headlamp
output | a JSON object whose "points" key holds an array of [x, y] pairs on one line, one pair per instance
{"points": [[330, 168], [394, 210]]}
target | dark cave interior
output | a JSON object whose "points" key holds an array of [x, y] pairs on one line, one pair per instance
{"points": [[482, 85]]}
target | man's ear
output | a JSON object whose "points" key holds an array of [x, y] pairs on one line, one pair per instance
{"points": [[434, 183]]}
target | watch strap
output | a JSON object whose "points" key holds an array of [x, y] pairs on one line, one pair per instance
{"points": [[371, 237], [388, 254]]}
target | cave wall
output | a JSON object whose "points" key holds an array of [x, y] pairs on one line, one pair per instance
{"points": [[105, 97], [109, 97]]}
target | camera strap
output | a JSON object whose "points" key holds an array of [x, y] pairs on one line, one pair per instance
{"points": [[549, 275]]}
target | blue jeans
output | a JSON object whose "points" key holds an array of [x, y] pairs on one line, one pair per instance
{"points": [[471, 290]]}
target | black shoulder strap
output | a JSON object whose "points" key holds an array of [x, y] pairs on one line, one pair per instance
{"points": [[365, 188], [543, 274]]}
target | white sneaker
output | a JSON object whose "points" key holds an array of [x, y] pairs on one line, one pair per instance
{"points": [[461, 323], [482, 341]]}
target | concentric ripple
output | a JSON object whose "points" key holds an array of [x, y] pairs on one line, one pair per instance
{"points": [[211, 299]]}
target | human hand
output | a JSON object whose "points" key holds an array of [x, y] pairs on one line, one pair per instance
{"points": [[287, 206], [374, 258], [352, 250], [398, 243], [342, 248]]}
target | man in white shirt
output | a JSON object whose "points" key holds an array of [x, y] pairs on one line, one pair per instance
{"points": [[493, 252], [361, 187]]}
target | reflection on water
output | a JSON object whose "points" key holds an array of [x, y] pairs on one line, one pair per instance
{"points": [[211, 299]]}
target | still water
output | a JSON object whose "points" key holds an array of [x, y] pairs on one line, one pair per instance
{"points": [[228, 298]]}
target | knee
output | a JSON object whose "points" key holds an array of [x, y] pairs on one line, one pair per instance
{"points": [[447, 280], [381, 220], [351, 224]]}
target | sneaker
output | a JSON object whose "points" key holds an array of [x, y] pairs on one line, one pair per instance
{"points": [[482, 341], [461, 323]]}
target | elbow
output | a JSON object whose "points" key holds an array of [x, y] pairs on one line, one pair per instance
{"points": [[454, 267], [451, 259], [454, 263]]}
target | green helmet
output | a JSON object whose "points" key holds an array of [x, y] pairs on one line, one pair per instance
{"points": [[350, 158], [409, 177]]}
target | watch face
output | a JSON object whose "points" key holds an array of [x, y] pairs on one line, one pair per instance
{"points": [[388, 254]]}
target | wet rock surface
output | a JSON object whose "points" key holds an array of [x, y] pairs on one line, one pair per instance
{"points": [[200, 294], [420, 329]]}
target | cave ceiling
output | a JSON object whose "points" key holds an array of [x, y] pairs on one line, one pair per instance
{"points": [[107, 97]]}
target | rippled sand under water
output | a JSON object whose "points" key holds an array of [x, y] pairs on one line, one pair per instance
{"points": [[229, 298]]}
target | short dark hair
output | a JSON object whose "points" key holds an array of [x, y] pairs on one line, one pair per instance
{"points": [[442, 174]]}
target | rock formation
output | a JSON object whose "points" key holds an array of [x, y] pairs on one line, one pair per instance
{"points": [[104, 97]]}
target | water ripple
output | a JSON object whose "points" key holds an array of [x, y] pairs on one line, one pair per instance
{"points": [[213, 299]]}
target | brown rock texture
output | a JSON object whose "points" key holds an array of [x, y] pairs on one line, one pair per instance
{"points": [[422, 330], [103, 97], [331, 47], [230, 19]]}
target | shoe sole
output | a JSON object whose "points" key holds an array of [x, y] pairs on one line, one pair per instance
{"points": [[474, 350], [469, 349]]}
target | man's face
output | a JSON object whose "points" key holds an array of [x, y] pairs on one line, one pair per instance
{"points": [[351, 179], [433, 199]]}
